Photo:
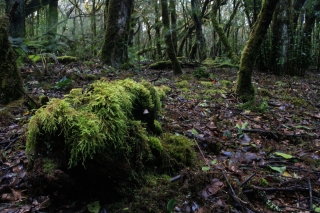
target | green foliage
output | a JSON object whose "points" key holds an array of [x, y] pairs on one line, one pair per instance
{"points": [[64, 83], [49, 166], [98, 121], [66, 59], [162, 91], [255, 106], [201, 72]]}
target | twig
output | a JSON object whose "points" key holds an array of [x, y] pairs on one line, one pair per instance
{"points": [[14, 140], [154, 80], [201, 152], [310, 194], [249, 178]]}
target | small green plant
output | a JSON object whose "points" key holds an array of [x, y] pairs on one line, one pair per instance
{"points": [[201, 72], [240, 128], [263, 182]]}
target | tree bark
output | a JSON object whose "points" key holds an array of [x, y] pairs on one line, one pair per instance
{"points": [[52, 18], [17, 24], [114, 49], [244, 87], [168, 38]]}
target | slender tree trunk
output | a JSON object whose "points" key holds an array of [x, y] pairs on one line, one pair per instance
{"points": [[157, 29], [168, 39], [244, 87], [114, 50], [230, 53], [173, 15]]}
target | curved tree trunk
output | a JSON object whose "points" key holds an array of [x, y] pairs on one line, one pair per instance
{"points": [[114, 49], [244, 87], [168, 39]]}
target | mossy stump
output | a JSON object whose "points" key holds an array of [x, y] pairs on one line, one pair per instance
{"points": [[105, 135], [10, 80]]}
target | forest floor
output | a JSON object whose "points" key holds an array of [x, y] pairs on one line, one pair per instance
{"points": [[262, 157]]}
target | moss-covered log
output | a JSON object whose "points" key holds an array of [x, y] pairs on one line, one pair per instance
{"points": [[10, 79], [244, 87]]}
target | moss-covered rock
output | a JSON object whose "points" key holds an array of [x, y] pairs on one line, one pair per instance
{"points": [[10, 80]]}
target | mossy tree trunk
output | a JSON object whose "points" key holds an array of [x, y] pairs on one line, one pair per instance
{"points": [[223, 38], [10, 79], [17, 24], [168, 39], [114, 49], [244, 87]]}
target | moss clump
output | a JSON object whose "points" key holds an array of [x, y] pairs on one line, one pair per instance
{"points": [[182, 84], [97, 122], [67, 59], [201, 72], [265, 93], [161, 65], [10, 79], [155, 144], [163, 90], [126, 66], [255, 106], [226, 83], [158, 128], [178, 151]]}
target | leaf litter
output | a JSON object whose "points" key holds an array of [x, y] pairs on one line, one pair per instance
{"points": [[262, 158]]}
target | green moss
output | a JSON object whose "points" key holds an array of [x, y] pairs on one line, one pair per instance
{"points": [[155, 144], [298, 102], [178, 151], [158, 128], [182, 84], [11, 83], [226, 83], [255, 106], [35, 58], [67, 59], [100, 120], [201, 72], [163, 90], [49, 166], [207, 84], [265, 93], [126, 66], [161, 65]]}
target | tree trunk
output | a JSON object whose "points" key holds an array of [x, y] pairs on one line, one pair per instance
{"points": [[52, 18], [157, 29], [223, 38], [281, 31], [168, 39], [114, 49], [244, 87], [173, 15], [17, 24], [200, 42]]}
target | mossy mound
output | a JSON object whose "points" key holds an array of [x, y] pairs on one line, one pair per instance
{"points": [[108, 130], [10, 80]]}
